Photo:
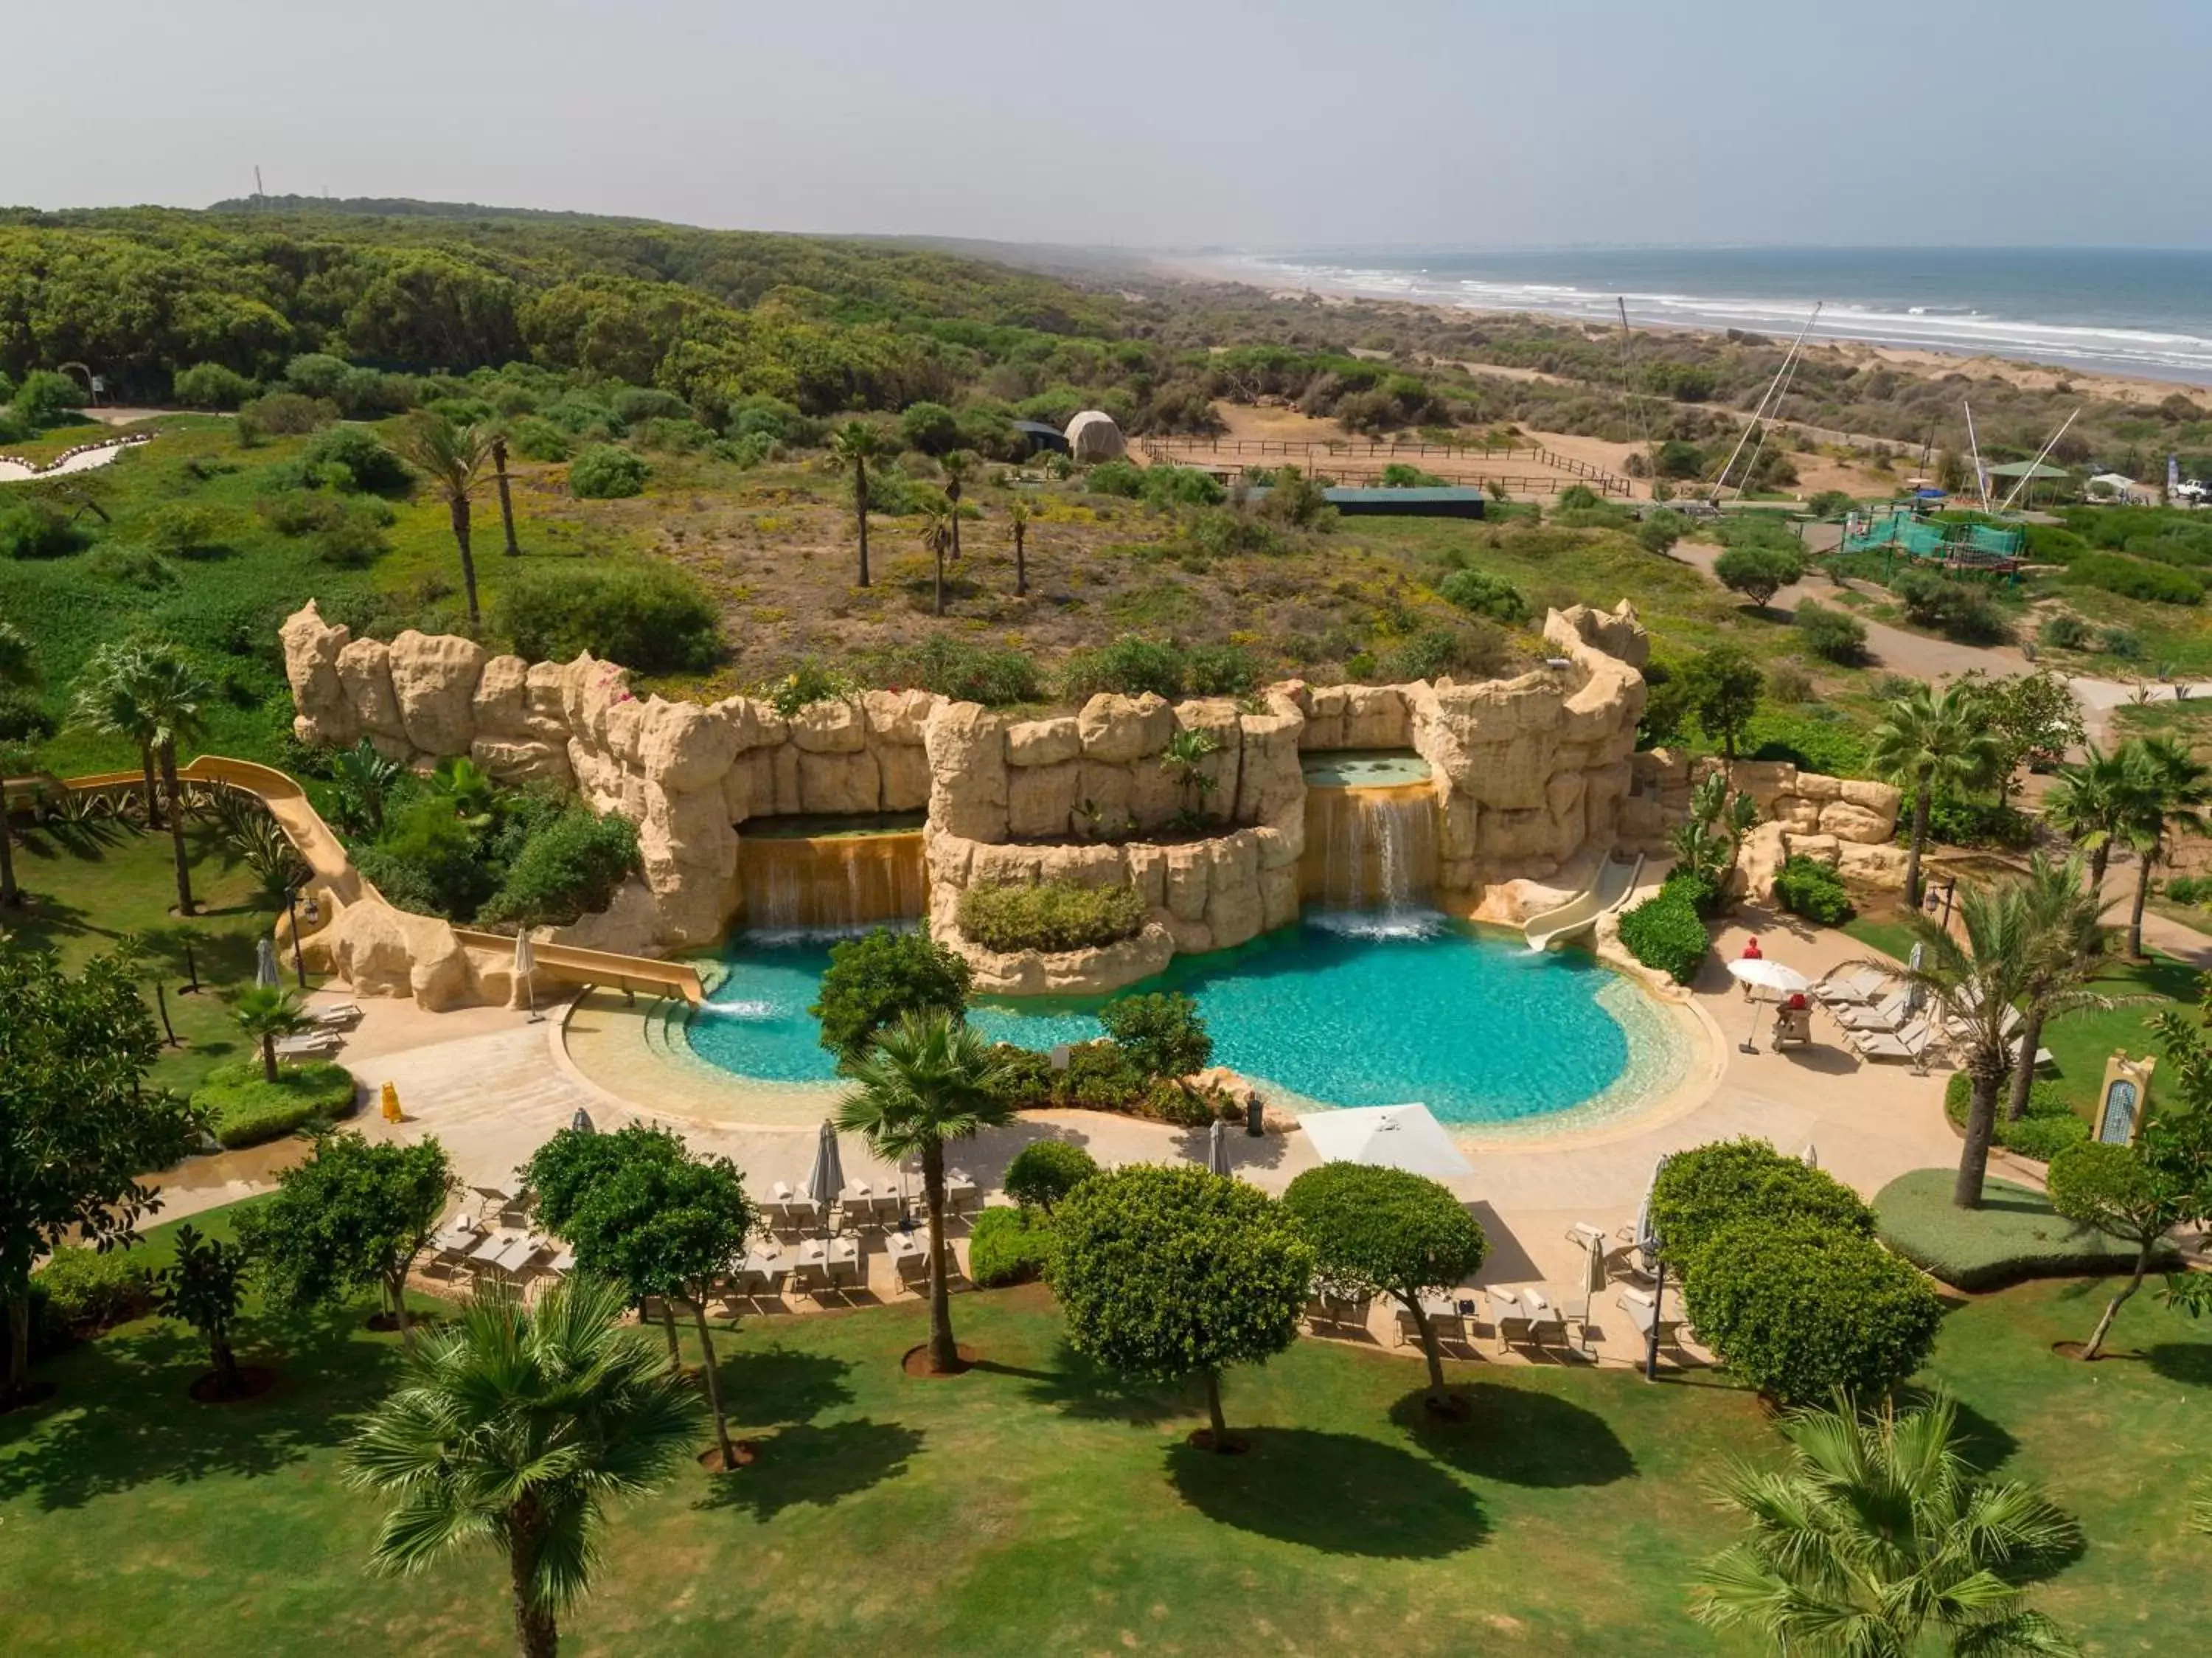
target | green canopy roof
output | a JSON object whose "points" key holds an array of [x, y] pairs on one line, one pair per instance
{"points": [[2028, 469]]}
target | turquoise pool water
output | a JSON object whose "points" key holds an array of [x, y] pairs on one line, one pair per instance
{"points": [[1331, 1011]]}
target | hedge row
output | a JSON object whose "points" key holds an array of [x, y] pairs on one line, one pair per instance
{"points": [[1009, 1246], [1666, 932], [247, 1108], [1052, 915], [2048, 1129]]}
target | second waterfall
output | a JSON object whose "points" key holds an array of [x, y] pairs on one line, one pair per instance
{"points": [[1371, 850]]}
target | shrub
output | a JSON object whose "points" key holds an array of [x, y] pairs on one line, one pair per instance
{"points": [[2049, 1127], [1798, 1309], [1786, 683], [36, 529], [565, 871], [1052, 915], [873, 981], [1130, 666], [1705, 1191], [1956, 821], [966, 672], [2131, 578], [1221, 670], [604, 473], [1829, 503], [1223, 532], [2064, 631], [1045, 1171], [1665, 933], [183, 530], [536, 438], [1485, 596], [932, 429], [1162, 1034], [246, 1109], [211, 386], [2189, 889], [654, 618], [2015, 1234], [1955, 609], [812, 681], [1836, 635], [1009, 1246], [2122, 641], [1757, 572], [286, 414], [46, 398], [89, 1290], [369, 464], [1294, 498], [1476, 650], [1816, 739], [352, 540], [1812, 890], [1659, 533], [23, 717]]}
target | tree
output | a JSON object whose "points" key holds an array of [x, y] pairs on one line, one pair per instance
{"points": [[1707, 843], [958, 467], [1928, 741], [874, 981], [2087, 804], [204, 1288], [1877, 1533], [172, 695], [265, 1012], [1705, 1190], [1045, 1171], [854, 445], [1019, 516], [1724, 688], [19, 671], [1163, 1034], [1170, 1272], [2137, 1193], [1384, 1231], [2036, 720], [516, 1428], [1757, 571], [939, 522], [2167, 789], [76, 1123], [512, 548], [930, 1080], [1976, 984], [353, 1216], [569, 1172], [2067, 948], [453, 458], [108, 703]]}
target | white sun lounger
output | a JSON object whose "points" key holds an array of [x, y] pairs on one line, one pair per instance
{"points": [[1887, 1014], [1853, 990], [1912, 1042]]}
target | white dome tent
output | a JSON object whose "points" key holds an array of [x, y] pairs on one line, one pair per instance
{"points": [[1093, 437]]}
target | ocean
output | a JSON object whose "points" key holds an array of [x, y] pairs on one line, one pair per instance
{"points": [[2129, 311]]}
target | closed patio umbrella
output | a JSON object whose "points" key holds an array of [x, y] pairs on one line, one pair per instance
{"points": [[525, 964], [1217, 1150], [264, 963], [1594, 1279], [827, 1178], [1647, 1235], [1811, 1155]]}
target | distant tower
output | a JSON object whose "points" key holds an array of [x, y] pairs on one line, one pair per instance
{"points": [[257, 192]]}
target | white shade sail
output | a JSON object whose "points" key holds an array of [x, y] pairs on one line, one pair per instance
{"points": [[1386, 1136]]}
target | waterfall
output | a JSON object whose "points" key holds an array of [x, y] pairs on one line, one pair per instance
{"points": [[1371, 852], [829, 883]]}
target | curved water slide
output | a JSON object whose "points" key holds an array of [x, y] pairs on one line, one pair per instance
{"points": [[1615, 881]]}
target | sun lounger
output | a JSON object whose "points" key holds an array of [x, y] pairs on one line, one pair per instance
{"points": [[1887, 1014], [1505, 1309], [1856, 989], [962, 1194], [309, 1045], [339, 1016], [1543, 1317], [1644, 1312], [1914, 1042]]}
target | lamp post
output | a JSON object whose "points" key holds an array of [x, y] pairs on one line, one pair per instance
{"points": [[292, 915], [1651, 1335]]}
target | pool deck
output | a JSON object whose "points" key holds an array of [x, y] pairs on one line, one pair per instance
{"points": [[492, 1088]]}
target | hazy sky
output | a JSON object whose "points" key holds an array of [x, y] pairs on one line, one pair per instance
{"points": [[1138, 123]]}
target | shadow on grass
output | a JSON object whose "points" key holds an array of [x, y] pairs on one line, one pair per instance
{"points": [[1986, 1444], [1089, 1392], [120, 1417], [783, 1384], [1519, 1436], [804, 1464], [2189, 1363], [1339, 1493]]}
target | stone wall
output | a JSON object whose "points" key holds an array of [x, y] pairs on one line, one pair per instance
{"points": [[1846, 822]]}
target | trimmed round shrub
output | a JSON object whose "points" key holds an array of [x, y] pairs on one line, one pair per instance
{"points": [[1806, 888], [604, 473], [88, 1290], [1957, 610], [1836, 636], [211, 386], [247, 1108], [1485, 596], [1759, 572], [369, 464], [1045, 1171], [1799, 1309], [874, 981], [2064, 631], [1666, 932], [1009, 1246], [1709, 1188], [1052, 915], [654, 618]]}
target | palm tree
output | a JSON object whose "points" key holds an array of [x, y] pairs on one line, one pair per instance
{"points": [[107, 703], [957, 466], [938, 528], [854, 444], [171, 694], [2166, 788], [265, 1012], [2069, 944], [453, 458], [19, 671], [515, 1427], [926, 1081], [514, 548], [1975, 984], [2085, 805], [1929, 740], [1018, 514], [1877, 1535]]}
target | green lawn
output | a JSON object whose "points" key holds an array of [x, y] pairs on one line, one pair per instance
{"points": [[1032, 1507], [93, 884]]}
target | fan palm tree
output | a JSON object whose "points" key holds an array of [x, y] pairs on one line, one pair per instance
{"points": [[453, 458], [516, 1427], [19, 671], [2167, 789], [265, 1012], [514, 548], [171, 695], [1975, 984], [925, 1081], [1874, 1536], [108, 705], [957, 467], [1929, 740], [2085, 805], [939, 529], [854, 444], [1018, 516]]}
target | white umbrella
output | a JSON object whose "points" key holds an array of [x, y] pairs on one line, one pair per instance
{"points": [[1217, 1150], [1759, 973], [1388, 1136], [525, 964], [266, 976], [1810, 1156]]}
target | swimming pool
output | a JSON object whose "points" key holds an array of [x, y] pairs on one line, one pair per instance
{"points": [[1333, 1011]]}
